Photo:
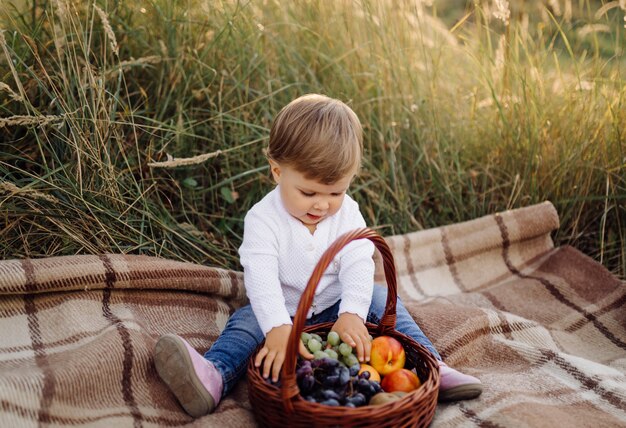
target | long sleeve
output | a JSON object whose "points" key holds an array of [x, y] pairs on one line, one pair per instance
{"points": [[357, 270], [259, 256]]}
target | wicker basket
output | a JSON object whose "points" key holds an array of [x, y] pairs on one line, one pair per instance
{"points": [[282, 406]]}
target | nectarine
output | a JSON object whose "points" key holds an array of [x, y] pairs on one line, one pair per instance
{"points": [[400, 380], [387, 355]]}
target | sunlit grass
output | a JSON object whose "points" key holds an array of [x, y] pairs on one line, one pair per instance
{"points": [[464, 115]]}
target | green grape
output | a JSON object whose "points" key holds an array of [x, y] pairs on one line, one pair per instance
{"points": [[345, 349], [333, 338], [305, 338], [350, 360], [332, 354], [317, 337], [319, 354], [314, 345]]}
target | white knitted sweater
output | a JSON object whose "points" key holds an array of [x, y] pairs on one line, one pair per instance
{"points": [[279, 253]]}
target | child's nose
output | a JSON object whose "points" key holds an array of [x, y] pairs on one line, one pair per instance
{"points": [[321, 205]]}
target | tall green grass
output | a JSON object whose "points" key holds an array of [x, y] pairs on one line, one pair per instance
{"points": [[464, 115]]}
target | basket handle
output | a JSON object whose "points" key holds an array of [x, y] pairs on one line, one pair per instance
{"points": [[387, 323]]}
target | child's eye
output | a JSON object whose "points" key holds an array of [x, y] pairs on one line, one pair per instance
{"points": [[336, 194], [308, 195]]}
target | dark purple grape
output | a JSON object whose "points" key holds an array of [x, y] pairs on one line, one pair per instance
{"points": [[354, 370], [329, 363], [342, 390], [344, 376], [306, 384], [330, 402], [305, 363], [309, 398], [348, 404], [365, 375], [329, 393], [316, 363], [303, 371], [357, 399], [365, 387], [376, 385], [330, 381]]}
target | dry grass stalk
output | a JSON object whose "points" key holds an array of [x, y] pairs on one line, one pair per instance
{"points": [[567, 11], [593, 28], [608, 6], [61, 8], [556, 7], [499, 62], [174, 162], [108, 29], [502, 11], [14, 96], [19, 120], [7, 187], [125, 65], [3, 45], [59, 42]]}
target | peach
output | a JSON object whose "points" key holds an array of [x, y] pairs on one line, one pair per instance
{"points": [[387, 355], [400, 380]]}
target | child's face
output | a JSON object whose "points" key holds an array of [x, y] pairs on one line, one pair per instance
{"points": [[308, 200]]}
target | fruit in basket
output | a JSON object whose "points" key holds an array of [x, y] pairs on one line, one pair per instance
{"points": [[318, 355], [335, 376], [328, 381], [317, 337], [304, 337], [345, 349], [350, 360], [400, 380], [331, 353], [314, 345], [383, 398], [387, 355], [374, 375], [333, 338], [344, 376]]}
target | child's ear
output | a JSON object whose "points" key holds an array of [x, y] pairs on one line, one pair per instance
{"points": [[275, 169]]}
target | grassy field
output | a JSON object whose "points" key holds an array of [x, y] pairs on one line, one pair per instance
{"points": [[139, 127]]}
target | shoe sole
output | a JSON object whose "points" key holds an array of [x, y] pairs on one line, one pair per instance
{"points": [[174, 366], [461, 392]]}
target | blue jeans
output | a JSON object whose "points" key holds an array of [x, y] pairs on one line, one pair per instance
{"points": [[241, 336]]}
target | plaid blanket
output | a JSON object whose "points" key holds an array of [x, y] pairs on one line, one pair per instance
{"points": [[542, 327]]}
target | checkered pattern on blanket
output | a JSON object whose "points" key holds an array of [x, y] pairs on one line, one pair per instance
{"points": [[542, 327]]}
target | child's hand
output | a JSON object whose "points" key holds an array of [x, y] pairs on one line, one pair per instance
{"points": [[274, 351], [352, 330]]}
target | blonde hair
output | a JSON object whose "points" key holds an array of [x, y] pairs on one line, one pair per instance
{"points": [[318, 136]]}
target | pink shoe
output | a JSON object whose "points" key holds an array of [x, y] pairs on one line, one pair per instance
{"points": [[455, 386], [195, 381]]}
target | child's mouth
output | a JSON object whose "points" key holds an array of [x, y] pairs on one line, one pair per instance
{"points": [[313, 217]]}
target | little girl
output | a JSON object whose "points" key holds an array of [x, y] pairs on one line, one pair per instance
{"points": [[315, 150]]}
